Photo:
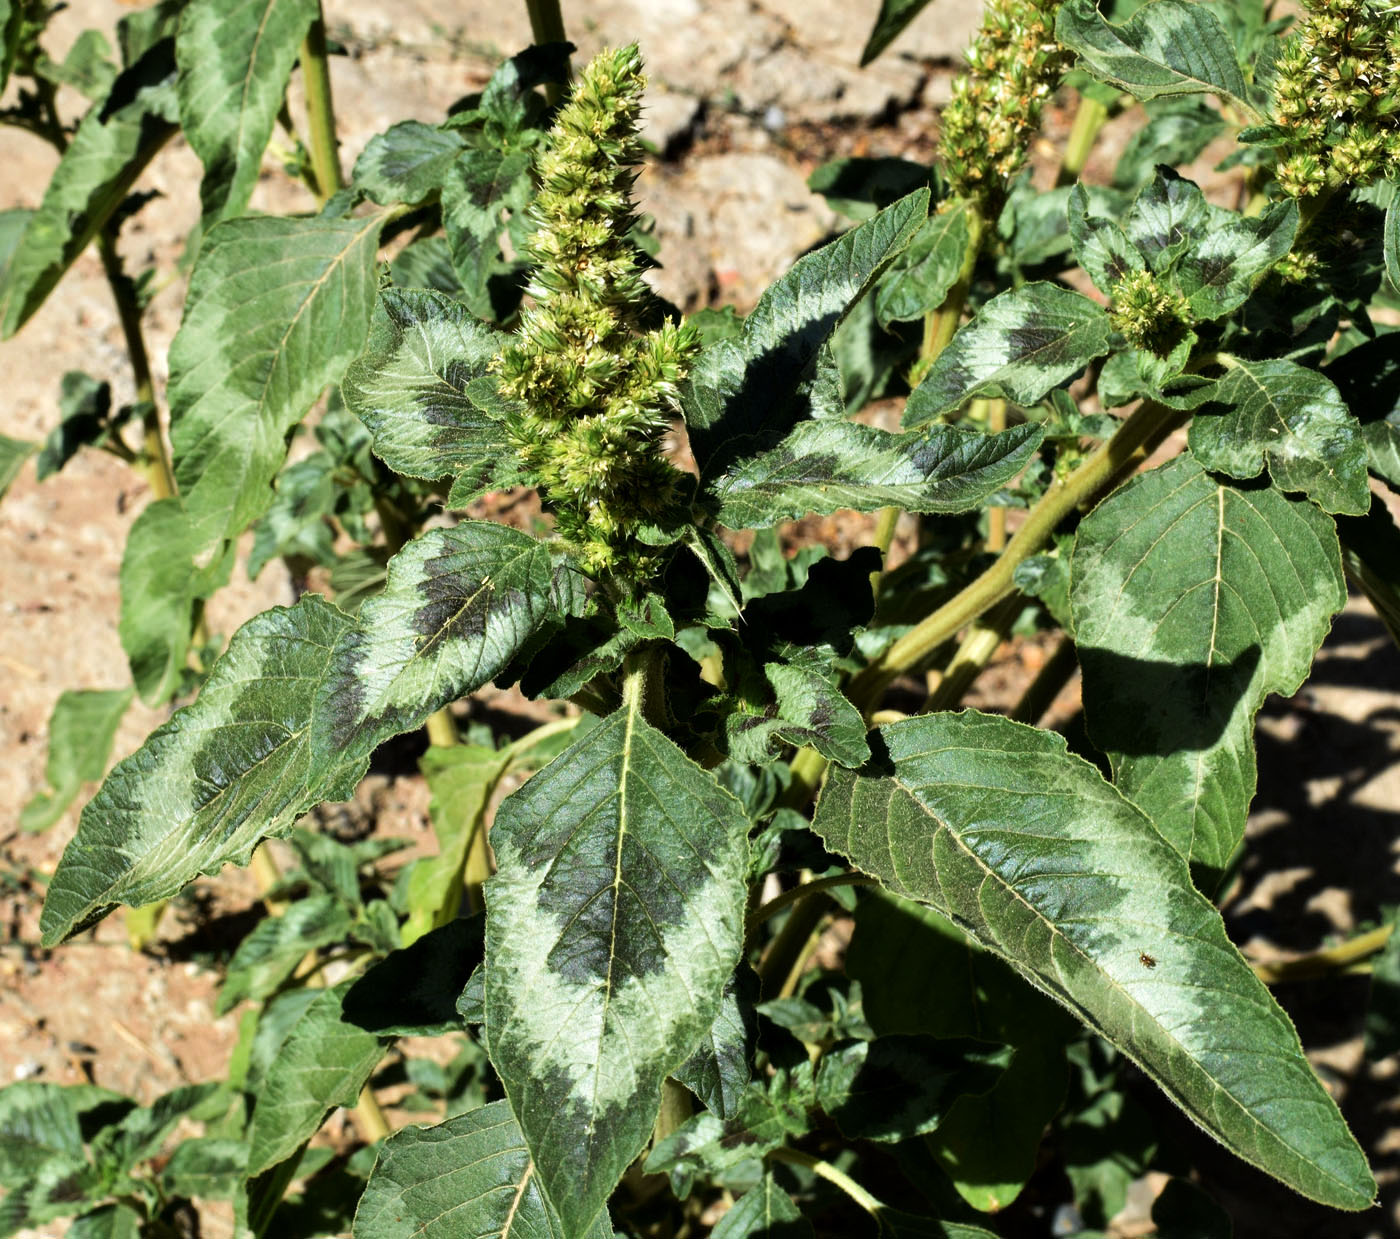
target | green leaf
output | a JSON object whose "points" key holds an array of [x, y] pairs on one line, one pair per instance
{"points": [[143, 1130], [323, 1062], [1168, 47], [277, 309], [270, 954], [827, 465], [1391, 242], [426, 263], [1221, 268], [763, 1212], [1100, 246], [1169, 215], [87, 66], [13, 454], [225, 772], [478, 192], [460, 779], [160, 583], [119, 1221], [209, 1168], [459, 605], [997, 826], [1019, 345], [988, 1144], [718, 1071], [896, 1087], [860, 186], [1292, 419], [615, 918], [1382, 1025], [744, 395], [42, 1123], [1176, 134], [1192, 601], [889, 25], [413, 992], [422, 387], [1183, 1211], [112, 146], [406, 163], [234, 60], [11, 22], [469, 1176], [81, 730], [806, 711], [85, 406]]}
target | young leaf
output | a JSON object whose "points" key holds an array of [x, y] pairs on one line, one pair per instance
{"points": [[461, 779], [999, 827], [1100, 247], [160, 583], [765, 1211], [1222, 266], [919, 279], [42, 1123], [806, 711], [268, 955], [615, 918], [421, 386], [1019, 345], [277, 309], [81, 730], [116, 1221], [743, 395], [471, 1175], [322, 1062], [85, 406], [234, 61], [1292, 419], [222, 774], [1168, 216], [826, 465], [889, 25], [1168, 47], [112, 146], [459, 605], [406, 163], [718, 1071], [1192, 601], [13, 454], [478, 190]]}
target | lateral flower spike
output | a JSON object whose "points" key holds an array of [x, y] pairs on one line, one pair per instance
{"points": [[1335, 92], [597, 392], [1013, 67]]}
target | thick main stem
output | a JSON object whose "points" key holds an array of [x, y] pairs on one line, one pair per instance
{"points": [[1149, 422], [547, 26], [320, 111], [1088, 120]]}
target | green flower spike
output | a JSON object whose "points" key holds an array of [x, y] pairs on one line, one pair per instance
{"points": [[597, 393]]}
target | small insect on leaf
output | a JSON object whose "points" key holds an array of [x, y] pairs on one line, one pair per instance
{"points": [[1146, 960]]}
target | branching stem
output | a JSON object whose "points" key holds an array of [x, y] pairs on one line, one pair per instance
{"points": [[799, 893], [1325, 962], [839, 1178], [1089, 118], [320, 111]]}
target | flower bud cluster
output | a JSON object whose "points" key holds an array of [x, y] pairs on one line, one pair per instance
{"points": [[1014, 66], [596, 394], [1337, 91], [1149, 315]]}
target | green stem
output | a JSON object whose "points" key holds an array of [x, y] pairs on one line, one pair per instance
{"points": [[1324, 963], [675, 1109], [978, 646], [799, 893], [156, 457], [1089, 118], [547, 26], [320, 111], [1149, 422], [780, 961], [825, 1170]]}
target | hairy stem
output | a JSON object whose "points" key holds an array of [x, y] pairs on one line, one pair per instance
{"points": [[1089, 118], [781, 961], [980, 643], [825, 1170], [996, 517], [1149, 422], [1325, 962], [799, 893], [320, 111], [547, 26]]}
